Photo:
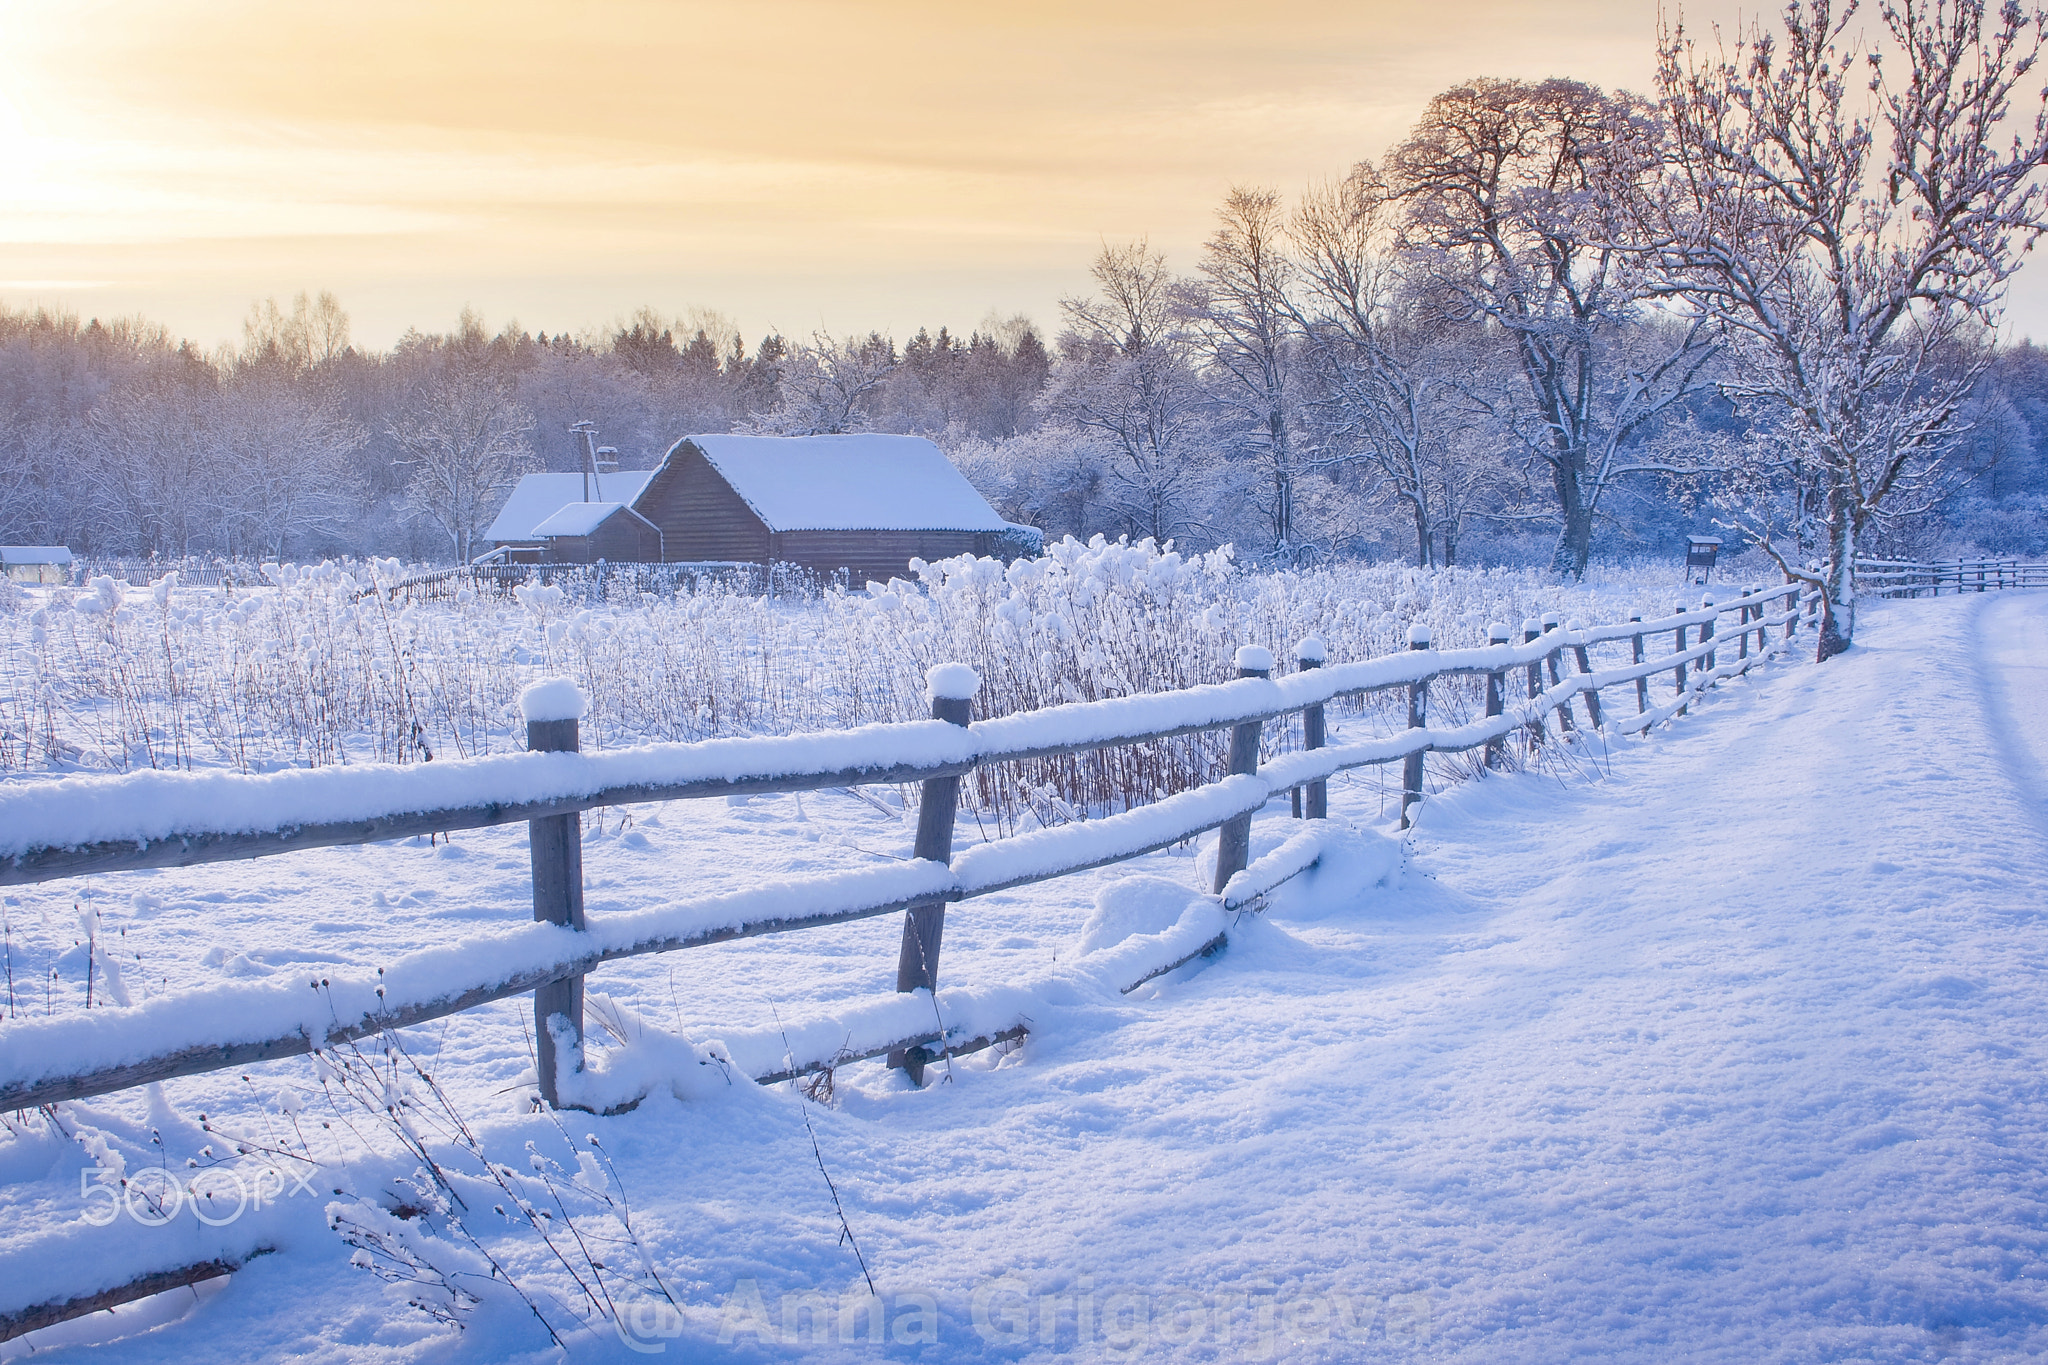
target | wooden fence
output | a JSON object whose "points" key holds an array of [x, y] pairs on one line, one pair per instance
{"points": [[548, 788], [1910, 578], [95, 826]]}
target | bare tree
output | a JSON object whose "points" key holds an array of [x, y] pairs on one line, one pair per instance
{"points": [[462, 432], [1853, 238], [1520, 200], [315, 333], [1244, 326], [283, 459], [826, 387], [1385, 382], [1126, 372]]}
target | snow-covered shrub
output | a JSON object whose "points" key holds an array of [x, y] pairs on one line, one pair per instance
{"points": [[324, 665]]}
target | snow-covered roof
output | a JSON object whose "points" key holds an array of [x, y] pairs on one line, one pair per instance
{"points": [[540, 496], [34, 554], [578, 519], [849, 483]]}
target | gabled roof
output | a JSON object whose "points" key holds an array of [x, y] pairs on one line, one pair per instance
{"points": [[35, 554], [578, 519], [540, 496], [848, 483]]}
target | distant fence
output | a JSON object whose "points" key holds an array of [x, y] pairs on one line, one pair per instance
{"points": [[1911, 578], [662, 579], [94, 826]]}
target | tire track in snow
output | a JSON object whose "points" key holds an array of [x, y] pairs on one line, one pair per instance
{"points": [[2012, 668]]}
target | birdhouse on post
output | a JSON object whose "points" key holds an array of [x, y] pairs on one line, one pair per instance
{"points": [[1700, 552]]}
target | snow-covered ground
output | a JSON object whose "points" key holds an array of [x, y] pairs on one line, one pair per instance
{"points": [[1725, 1045]]}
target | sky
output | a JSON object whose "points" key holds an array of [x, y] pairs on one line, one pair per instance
{"points": [[794, 165]]}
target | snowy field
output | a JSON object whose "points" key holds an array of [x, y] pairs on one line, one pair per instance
{"points": [[1722, 1045]]}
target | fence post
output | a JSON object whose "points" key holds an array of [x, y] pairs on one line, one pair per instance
{"points": [[1706, 661], [1564, 708], [1678, 674], [1591, 694], [553, 709], [1636, 649], [1418, 717], [1310, 653], [1531, 629], [1497, 635], [1742, 629], [1234, 841], [951, 688], [1980, 575]]}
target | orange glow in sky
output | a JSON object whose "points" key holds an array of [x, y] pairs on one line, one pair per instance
{"points": [[795, 164]]}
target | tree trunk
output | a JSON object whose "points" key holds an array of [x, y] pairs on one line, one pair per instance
{"points": [[1575, 539], [1838, 603], [1422, 538]]}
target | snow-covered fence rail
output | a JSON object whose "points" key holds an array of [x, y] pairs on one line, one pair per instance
{"points": [[1910, 578], [88, 826]]}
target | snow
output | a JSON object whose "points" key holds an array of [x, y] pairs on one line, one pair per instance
{"points": [[552, 699], [957, 682], [577, 519], [1723, 1044], [1254, 659], [536, 497], [1311, 650], [149, 806], [35, 554], [841, 483]]}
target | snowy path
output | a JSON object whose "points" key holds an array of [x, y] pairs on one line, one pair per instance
{"points": [[1728, 1046]]}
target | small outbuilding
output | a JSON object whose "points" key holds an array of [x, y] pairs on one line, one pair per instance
{"points": [[864, 504], [585, 532], [36, 563], [538, 497]]}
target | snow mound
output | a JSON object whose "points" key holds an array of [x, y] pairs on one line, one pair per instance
{"points": [[552, 699], [1131, 906], [955, 681], [1354, 863]]}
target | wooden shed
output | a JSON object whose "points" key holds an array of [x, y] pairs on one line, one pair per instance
{"points": [[865, 503], [585, 532], [36, 563], [539, 497]]}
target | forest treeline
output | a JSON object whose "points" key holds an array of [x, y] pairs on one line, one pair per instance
{"points": [[1550, 321]]}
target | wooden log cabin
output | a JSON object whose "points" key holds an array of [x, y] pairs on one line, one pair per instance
{"points": [[866, 504]]}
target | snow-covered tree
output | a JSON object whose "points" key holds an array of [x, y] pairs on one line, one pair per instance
{"points": [[461, 431], [1126, 372], [1520, 205], [1244, 327], [1851, 230]]}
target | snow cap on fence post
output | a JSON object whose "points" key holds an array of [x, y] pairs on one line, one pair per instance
{"points": [[552, 699], [1575, 625], [1498, 633], [1254, 659], [1418, 636], [1311, 650], [1706, 600], [955, 682], [1531, 628], [1550, 620]]}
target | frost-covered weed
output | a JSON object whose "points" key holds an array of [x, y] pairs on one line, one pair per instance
{"points": [[324, 666]]}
